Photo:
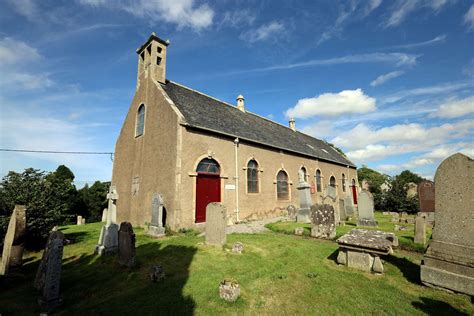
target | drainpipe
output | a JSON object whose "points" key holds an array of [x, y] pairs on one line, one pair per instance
{"points": [[236, 146]]}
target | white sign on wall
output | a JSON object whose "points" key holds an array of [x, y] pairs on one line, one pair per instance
{"points": [[230, 186]]}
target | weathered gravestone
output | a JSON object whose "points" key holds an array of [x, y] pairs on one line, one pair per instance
{"points": [[420, 230], [13, 245], [342, 210], [365, 185], [449, 260], [48, 277], [292, 210], [411, 190], [83, 221], [304, 190], [229, 291], [79, 220], [349, 206], [126, 245], [108, 239], [366, 209], [156, 228], [104, 215], [323, 221], [426, 196], [216, 220]]}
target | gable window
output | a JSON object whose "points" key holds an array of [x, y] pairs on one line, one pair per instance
{"points": [[140, 121], [332, 181], [282, 186], [303, 175], [252, 177], [343, 180], [209, 166], [319, 187]]}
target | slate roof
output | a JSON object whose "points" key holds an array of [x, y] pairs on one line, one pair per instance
{"points": [[204, 112]]}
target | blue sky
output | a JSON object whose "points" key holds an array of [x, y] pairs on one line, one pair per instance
{"points": [[390, 82]]}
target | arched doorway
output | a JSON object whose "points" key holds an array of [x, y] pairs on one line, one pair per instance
{"points": [[208, 186], [354, 191]]}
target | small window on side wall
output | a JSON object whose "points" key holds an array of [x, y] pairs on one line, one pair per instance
{"points": [[332, 181], [252, 177], [319, 187], [140, 121], [343, 182], [283, 192]]}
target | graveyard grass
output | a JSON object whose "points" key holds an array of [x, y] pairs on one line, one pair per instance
{"points": [[278, 274]]}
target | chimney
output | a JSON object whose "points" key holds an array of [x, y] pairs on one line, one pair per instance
{"points": [[292, 124], [152, 59], [240, 103]]}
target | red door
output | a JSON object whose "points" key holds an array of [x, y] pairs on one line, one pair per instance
{"points": [[354, 194], [208, 189]]}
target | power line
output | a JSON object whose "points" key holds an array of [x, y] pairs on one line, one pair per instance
{"points": [[59, 152]]}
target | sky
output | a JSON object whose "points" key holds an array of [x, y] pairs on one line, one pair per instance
{"points": [[389, 82]]}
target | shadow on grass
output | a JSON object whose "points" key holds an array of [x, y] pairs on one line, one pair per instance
{"points": [[75, 238], [99, 285], [333, 256], [410, 270], [435, 307]]}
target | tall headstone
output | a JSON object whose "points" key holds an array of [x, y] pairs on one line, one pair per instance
{"points": [[79, 220], [304, 191], [13, 245], [366, 209], [323, 221], [349, 206], [420, 230], [156, 228], [216, 221], [426, 197], [342, 210], [108, 239], [48, 276], [104, 215], [126, 245], [449, 259]]}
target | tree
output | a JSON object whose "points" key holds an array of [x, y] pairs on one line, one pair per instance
{"points": [[339, 150], [375, 180], [407, 176], [396, 199], [94, 199]]}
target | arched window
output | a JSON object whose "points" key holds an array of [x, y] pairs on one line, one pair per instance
{"points": [[252, 177], [140, 121], [208, 165], [303, 175], [353, 182], [332, 181], [282, 186], [343, 180], [319, 187]]}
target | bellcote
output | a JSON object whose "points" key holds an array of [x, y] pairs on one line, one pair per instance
{"points": [[152, 59]]}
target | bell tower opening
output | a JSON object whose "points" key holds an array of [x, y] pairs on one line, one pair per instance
{"points": [[152, 59]]}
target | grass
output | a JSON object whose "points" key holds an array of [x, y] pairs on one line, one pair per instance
{"points": [[278, 274], [405, 237]]}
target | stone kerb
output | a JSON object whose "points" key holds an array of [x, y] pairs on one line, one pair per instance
{"points": [[216, 221], [323, 221], [13, 245], [448, 260]]}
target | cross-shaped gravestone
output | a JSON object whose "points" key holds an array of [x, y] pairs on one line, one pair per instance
{"points": [[108, 239]]}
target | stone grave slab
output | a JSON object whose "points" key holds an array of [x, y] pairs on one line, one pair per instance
{"points": [[449, 259], [304, 192], [13, 245], [156, 228], [108, 239], [323, 221], [216, 222], [126, 245], [420, 230], [366, 209]]}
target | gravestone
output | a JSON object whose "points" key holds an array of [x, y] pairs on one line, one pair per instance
{"points": [[365, 185], [342, 210], [426, 196], [304, 191], [79, 220], [83, 221], [48, 276], [156, 228], [229, 291], [420, 231], [331, 192], [323, 221], [238, 247], [349, 206], [104, 215], [449, 259], [108, 239], [13, 245], [126, 245], [366, 209], [216, 215], [292, 210], [411, 190]]}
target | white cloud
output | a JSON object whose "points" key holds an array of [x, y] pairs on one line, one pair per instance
{"points": [[386, 77], [455, 108], [403, 8], [26, 8], [264, 32], [183, 13], [469, 18], [26, 81], [437, 39], [331, 104], [13, 51], [238, 18]]}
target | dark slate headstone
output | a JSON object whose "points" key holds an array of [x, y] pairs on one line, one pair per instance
{"points": [[48, 276], [426, 195], [323, 221], [126, 245]]}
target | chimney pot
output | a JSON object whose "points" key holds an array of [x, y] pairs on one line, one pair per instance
{"points": [[240, 103], [292, 124]]}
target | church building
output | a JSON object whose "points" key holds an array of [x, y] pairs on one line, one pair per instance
{"points": [[194, 149]]}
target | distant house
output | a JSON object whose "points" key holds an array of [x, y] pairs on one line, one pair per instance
{"points": [[194, 149]]}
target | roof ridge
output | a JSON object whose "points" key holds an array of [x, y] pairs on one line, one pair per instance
{"points": [[234, 107]]}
